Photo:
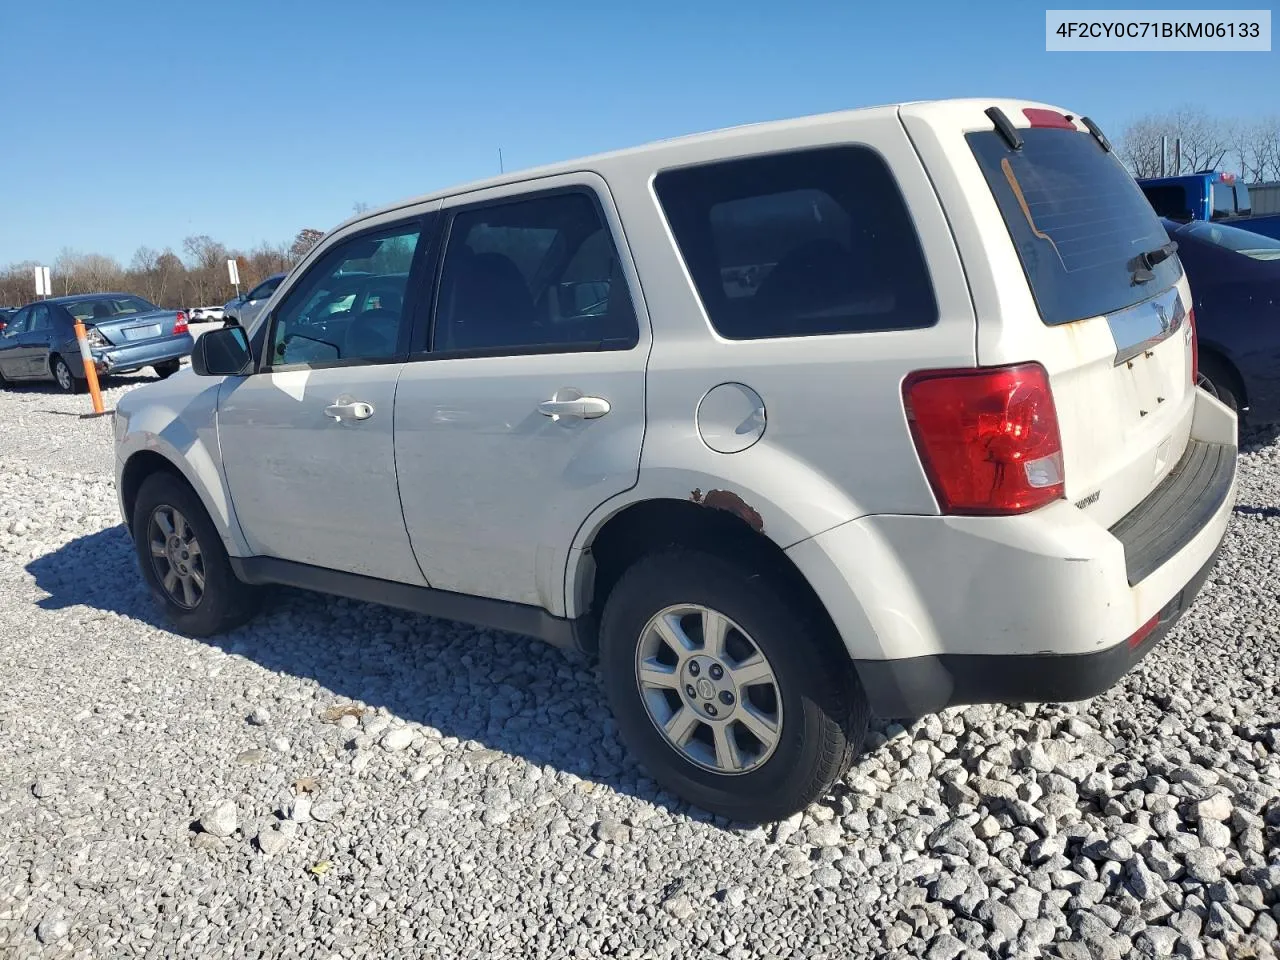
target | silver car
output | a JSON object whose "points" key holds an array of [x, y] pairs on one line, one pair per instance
{"points": [[245, 309]]}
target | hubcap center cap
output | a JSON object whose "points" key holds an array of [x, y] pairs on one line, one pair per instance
{"points": [[706, 689]]}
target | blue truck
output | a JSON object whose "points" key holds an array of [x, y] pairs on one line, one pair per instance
{"points": [[1208, 195]]}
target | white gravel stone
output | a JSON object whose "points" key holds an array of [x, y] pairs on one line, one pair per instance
{"points": [[220, 820], [1218, 807], [397, 739]]}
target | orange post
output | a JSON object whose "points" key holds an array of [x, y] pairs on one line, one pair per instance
{"points": [[90, 371]]}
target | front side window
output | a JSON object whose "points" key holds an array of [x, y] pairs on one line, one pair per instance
{"points": [[539, 273], [40, 318], [799, 244], [350, 305], [21, 322]]}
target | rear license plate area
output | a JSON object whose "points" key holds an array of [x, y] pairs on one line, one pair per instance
{"points": [[145, 332]]}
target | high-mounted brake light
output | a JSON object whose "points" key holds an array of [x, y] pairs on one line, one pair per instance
{"points": [[180, 324], [987, 437], [1040, 117]]}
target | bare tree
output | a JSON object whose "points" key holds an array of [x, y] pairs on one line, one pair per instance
{"points": [[1205, 140], [1141, 144], [307, 238], [1258, 146]]}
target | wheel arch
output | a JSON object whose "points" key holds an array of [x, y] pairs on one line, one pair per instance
{"points": [[192, 469], [723, 526], [1216, 355]]}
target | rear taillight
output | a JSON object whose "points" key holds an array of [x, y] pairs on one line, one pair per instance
{"points": [[987, 438], [1143, 632], [1195, 347], [180, 323]]}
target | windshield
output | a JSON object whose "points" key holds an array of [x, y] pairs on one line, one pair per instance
{"points": [[1245, 242], [108, 308], [1078, 220]]}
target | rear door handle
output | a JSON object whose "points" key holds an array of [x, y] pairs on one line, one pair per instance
{"points": [[570, 403], [349, 410]]}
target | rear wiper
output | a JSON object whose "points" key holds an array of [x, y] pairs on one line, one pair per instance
{"points": [[1149, 260]]}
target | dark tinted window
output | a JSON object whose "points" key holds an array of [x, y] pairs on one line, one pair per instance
{"points": [[541, 273], [1169, 201], [350, 305], [799, 244], [1224, 199], [1078, 221], [264, 290]]}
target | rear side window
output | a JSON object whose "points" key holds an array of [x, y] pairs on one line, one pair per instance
{"points": [[1078, 220], [1170, 201], [799, 244]]}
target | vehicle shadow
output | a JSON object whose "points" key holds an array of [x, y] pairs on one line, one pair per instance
{"points": [[509, 693]]}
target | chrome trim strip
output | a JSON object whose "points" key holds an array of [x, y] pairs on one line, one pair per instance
{"points": [[1142, 326]]}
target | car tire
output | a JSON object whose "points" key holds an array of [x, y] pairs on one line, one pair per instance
{"points": [[166, 370], [1217, 381], [64, 376], [810, 698], [197, 589]]}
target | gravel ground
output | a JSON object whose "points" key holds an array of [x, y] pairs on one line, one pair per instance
{"points": [[340, 780]]}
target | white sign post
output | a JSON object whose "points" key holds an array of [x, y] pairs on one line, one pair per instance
{"points": [[233, 271], [40, 290], [48, 286]]}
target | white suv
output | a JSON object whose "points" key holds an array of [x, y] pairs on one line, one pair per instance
{"points": [[874, 412]]}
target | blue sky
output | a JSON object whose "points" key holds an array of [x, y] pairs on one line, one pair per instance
{"points": [[130, 123]]}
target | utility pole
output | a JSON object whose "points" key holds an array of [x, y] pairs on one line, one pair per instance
{"points": [[500, 167]]}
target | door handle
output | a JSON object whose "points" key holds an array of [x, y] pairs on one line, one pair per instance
{"points": [[571, 403], [349, 410]]}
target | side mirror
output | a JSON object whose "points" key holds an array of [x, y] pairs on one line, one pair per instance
{"points": [[222, 353]]}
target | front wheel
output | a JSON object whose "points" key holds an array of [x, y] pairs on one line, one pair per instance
{"points": [[726, 688], [67, 381], [184, 562], [167, 369]]}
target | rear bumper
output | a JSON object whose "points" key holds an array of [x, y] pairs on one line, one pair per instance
{"points": [[940, 610], [916, 686], [134, 355]]}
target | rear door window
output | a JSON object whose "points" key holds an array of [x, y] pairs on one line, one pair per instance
{"points": [[799, 244], [1078, 220]]}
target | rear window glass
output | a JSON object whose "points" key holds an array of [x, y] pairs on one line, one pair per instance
{"points": [[1224, 200], [799, 244], [1078, 220]]}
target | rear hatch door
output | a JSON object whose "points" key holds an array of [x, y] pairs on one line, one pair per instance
{"points": [[1071, 267]]}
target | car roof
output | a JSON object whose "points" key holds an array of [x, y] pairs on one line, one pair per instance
{"points": [[672, 150], [76, 297]]}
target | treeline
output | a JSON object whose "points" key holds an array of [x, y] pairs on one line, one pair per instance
{"points": [[198, 278], [1205, 141]]}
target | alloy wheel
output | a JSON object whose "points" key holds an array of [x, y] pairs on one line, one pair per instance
{"points": [[176, 556], [709, 689]]}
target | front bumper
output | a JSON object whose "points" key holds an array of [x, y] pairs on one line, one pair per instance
{"points": [[133, 356]]}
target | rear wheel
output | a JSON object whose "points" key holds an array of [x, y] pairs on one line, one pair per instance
{"points": [[729, 691], [1216, 379], [184, 562], [67, 381], [166, 370]]}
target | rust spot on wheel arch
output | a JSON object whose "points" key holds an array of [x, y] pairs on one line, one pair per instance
{"points": [[731, 502]]}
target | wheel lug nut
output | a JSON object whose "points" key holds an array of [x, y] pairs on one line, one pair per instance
{"points": [[711, 710], [726, 698], [717, 671], [688, 688], [694, 669]]}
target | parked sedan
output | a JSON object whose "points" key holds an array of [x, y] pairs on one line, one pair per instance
{"points": [[6, 314], [245, 309], [1235, 284], [125, 333]]}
